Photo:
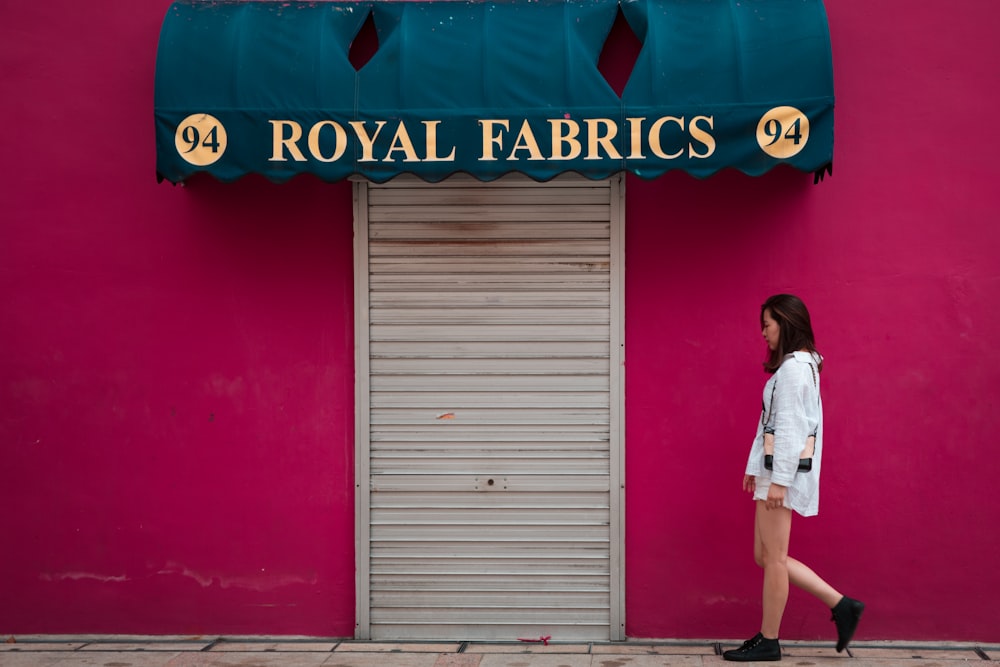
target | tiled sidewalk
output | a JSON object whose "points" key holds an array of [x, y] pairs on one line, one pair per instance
{"points": [[217, 652]]}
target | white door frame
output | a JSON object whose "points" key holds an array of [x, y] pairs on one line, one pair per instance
{"points": [[617, 411]]}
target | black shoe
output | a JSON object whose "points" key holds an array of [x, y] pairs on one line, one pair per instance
{"points": [[755, 649], [846, 615]]}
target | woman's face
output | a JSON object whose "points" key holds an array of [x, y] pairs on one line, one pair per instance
{"points": [[771, 330]]}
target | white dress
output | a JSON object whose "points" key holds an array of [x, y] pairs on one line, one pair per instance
{"points": [[793, 408]]}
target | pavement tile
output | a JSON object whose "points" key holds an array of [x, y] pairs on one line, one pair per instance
{"points": [[40, 646], [236, 659], [113, 659], [145, 646], [458, 660], [287, 647], [906, 662], [396, 647], [535, 660], [381, 659], [653, 649], [912, 653], [662, 660], [528, 647], [31, 659]]}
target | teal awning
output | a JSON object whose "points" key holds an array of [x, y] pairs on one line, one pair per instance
{"points": [[489, 88]]}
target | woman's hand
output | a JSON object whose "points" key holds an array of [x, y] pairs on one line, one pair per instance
{"points": [[749, 484], [775, 496]]}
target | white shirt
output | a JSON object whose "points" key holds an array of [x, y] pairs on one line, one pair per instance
{"points": [[793, 408]]}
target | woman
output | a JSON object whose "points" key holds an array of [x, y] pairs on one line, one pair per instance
{"points": [[782, 475]]}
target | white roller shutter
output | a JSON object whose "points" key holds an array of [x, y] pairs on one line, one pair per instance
{"points": [[489, 338]]}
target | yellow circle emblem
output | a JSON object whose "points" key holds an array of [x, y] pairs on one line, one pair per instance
{"points": [[200, 139], [782, 132]]}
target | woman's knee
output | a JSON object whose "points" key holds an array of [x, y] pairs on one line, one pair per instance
{"points": [[766, 558], [777, 561], [770, 552]]}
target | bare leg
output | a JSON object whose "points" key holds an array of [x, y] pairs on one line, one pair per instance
{"points": [[803, 577], [772, 530], [799, 574]]}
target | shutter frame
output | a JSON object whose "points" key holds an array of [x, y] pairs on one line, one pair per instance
{"points": [[490, 400]]}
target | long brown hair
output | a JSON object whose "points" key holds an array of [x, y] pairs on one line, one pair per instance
{"points": [[796, 329]]}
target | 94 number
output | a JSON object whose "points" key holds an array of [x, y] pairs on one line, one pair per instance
{"points": [[782, 132], [200, 139]]}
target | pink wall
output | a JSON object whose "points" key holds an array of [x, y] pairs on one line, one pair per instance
{"points": [[897, 256], [176, 365]]}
